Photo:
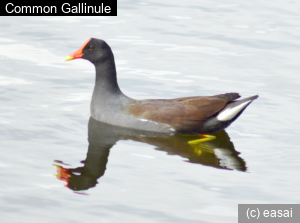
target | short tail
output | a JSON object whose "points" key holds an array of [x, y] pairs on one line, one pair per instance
{"points": [[233, 109]]}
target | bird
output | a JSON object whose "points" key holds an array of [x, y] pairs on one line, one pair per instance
{"points": [[187, 115]]}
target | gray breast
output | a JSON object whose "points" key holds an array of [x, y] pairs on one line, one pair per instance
{"points": [[109, 110]]}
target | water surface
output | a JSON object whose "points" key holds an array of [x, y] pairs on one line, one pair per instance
{"points": [[162, 50]]}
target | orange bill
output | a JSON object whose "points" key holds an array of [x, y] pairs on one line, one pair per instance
{"points": [[78, 53]]}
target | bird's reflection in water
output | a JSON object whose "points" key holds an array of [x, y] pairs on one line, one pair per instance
{"points": [[218, 153]]}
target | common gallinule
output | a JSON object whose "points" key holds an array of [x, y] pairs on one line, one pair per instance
{"points": [[201, 114]]}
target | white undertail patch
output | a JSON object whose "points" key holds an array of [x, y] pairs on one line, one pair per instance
{"points": [[230, 112]]}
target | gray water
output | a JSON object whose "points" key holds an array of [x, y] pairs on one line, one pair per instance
{"points": [[163, 49]]}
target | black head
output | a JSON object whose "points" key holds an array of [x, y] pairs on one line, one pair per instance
{"points": [[94, 50]]}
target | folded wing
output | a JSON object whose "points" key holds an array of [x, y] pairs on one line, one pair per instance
{"points": [[183, 114]]}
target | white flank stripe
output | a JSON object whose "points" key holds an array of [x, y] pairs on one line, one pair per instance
{"points": [[230, 113]]}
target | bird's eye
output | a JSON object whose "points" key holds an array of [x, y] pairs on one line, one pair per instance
{"points": [[90, 47]]}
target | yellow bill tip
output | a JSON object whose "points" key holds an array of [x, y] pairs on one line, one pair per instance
{"points": [[56, 166], [57, 175], [68, 58]]}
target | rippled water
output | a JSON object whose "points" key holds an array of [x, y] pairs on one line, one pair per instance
{"points": [[162, 50]]}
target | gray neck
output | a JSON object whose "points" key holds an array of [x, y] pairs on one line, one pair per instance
{"points": [[107, 97], [106, 77], [109, 103]]}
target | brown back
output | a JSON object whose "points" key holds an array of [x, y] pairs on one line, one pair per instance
{"points": [[180, 113]]}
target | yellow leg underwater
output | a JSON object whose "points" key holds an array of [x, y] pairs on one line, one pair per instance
{"points": [[204, 139]]}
